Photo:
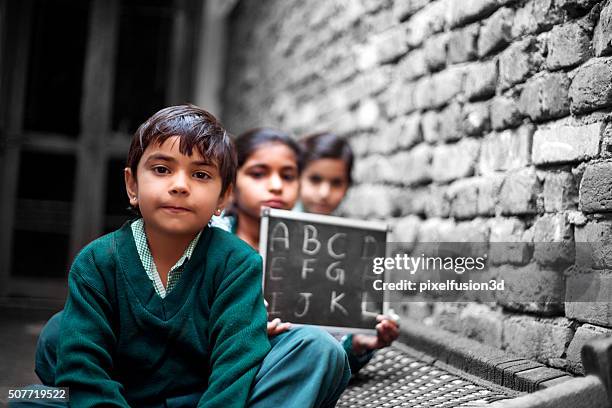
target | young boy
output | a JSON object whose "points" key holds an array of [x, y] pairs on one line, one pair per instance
{"points": [[166, 311]]}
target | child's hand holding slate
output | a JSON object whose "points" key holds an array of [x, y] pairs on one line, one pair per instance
{"points": [[276, 327], [387, 331]]}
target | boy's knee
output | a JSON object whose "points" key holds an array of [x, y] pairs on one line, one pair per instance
{"points": [[321, 343]]}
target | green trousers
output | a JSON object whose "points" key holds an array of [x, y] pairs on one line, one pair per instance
{"points": [[306, 367]]}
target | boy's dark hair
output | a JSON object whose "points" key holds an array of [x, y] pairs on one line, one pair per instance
{"points": [[327, 145], [196, 128], [253, 139]]}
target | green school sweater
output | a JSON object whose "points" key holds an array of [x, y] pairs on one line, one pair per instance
{"points": [[121, 344]]}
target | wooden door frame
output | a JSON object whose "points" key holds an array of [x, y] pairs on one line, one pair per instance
{"points": [[13, 85], [97, 142]]}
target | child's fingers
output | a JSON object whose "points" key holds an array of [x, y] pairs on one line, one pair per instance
{"points": [[275, 327], [390, 319], [387, 332], [283, 327], [272, 325]]}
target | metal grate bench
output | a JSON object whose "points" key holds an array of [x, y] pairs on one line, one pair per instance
{"points": [[465, 373], [396, 378]]}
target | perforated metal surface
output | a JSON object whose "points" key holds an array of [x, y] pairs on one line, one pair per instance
{"points": [[396, 379]]}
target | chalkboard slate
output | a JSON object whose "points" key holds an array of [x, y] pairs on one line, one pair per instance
{"points": [[318, 269]]}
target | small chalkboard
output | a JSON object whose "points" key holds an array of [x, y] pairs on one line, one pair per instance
{"points": [[318, 269]]}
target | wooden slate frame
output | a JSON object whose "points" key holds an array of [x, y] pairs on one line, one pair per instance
{"points": [[266, 213]]}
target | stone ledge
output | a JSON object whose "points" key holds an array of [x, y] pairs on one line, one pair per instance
{"points": [[486, 362]]}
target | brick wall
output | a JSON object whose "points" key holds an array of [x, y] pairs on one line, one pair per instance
{"points": [[483, 120]]}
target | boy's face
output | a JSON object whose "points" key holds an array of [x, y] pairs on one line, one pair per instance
{"points": [[176, 194], [269, 177], [324, 184]]}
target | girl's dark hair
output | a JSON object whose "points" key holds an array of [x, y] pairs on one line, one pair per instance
{"points": [[327, 145], [253, 139]]}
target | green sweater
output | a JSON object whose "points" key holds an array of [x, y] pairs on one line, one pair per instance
{"points": [[121, 344]]}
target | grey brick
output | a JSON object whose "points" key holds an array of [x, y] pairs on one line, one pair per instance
{"points": [[462, 44], [403, 9], [437, 204], [455, 161], [593, 241], [505, 113], [374, 168], [588, 294], [413, 65], [531, 288], [602, 37], [481, 80], [437, 90], [435, 51], [405, 230], [554, 240], [591, 88], [507, 150], [569, 45], [561, 143], [450, 122], [560, 192], [447, 84], [537, 338], [430, 125], [536, 16], [576, 7], [546, 97], [495, 32], [584, 334], [429, 20], [596, 188], [519, 192], [413, 167], [398, 99], [364, 201], [476, 118], [463, 196], [519, 61], [488, 193], [510, 242], [470, 10], [481, 323], [410, 131], [436, 229]]}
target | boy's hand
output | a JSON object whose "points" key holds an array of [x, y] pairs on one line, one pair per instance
{"points": [[275, 327], [387, 331]]}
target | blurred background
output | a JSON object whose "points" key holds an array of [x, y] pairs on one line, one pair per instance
{"points": [[78, 77]]}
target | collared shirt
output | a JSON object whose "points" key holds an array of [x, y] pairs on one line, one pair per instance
{"points": [[142, 246]]}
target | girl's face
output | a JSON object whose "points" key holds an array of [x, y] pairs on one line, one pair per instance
{"points": [[269, 177], [324, 184]]}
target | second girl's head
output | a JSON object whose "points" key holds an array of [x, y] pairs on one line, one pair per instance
{"points": [[269, 168], [328, 161]]}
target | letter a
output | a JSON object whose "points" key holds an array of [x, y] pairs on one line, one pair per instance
{"points": [[280, 233]]}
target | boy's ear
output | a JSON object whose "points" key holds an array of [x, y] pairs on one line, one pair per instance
{"points": [[224, 200], [131, 186]]}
